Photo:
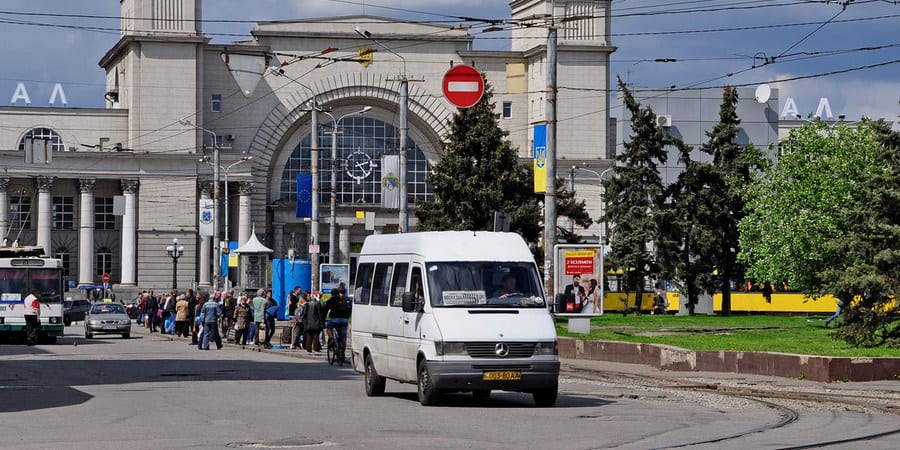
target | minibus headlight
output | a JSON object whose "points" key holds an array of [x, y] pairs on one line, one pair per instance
{"points": [[54, 320], [449, 348], [546, 348]]}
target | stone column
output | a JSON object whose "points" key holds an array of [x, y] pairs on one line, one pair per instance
{"points": [[45, 212], [4, 210], [206, 189], [86, 232], [344, 247], [129, 232], [277, 240], [245, 190]]}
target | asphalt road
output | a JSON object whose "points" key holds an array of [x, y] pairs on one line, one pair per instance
{"points": [[154, 393]]}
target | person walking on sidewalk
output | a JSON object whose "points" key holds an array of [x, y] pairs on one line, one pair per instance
{"points": [[313, 319], [271, 313], [243, 317], [258, 314], [152, 311], [181, 317], [209, 317]]}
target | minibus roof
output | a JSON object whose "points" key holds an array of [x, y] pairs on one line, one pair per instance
{"points": [[451, 246]]}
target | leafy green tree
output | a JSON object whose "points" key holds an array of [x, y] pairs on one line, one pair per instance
{"points": [[867, 279], [480, 173], [794, 209], [634, 197]]}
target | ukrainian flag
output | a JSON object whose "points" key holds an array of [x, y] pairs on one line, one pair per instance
{"points": [[539, 153]]}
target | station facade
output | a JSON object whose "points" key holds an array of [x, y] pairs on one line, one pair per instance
{"points": [[108, 189]]}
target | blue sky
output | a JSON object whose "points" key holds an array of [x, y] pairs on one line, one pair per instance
{"points": [[781, 32]]}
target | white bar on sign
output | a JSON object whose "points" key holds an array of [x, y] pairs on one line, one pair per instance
{"points": [[462, 86]]}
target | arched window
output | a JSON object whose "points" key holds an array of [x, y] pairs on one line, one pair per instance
{"points": [[361, 147], [44, 133]]}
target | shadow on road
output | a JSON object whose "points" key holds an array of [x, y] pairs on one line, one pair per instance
{"points": [[499, 400]]}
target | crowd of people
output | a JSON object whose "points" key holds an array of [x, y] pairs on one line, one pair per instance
{"points": [[207, 319]]}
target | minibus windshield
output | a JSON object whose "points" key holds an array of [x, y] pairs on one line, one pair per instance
{"points": [[484, 284]]}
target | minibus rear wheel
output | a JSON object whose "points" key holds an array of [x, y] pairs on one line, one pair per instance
{"points": [[374, 382]]}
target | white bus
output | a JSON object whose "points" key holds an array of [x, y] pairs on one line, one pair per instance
{"points": [[23, 269], [453, 311]]}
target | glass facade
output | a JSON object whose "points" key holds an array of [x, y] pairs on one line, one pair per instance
{"points": [[362, 143]]}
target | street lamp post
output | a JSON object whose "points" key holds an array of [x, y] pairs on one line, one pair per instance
{"points": [[332, 222], [404, 131], [175, 251], [225, 171], [601, 234], [216, 164]]}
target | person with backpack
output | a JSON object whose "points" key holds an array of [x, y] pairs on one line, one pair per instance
{"points": [[337, 310], [270, 313]]}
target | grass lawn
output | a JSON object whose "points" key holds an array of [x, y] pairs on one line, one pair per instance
{"points": [[805, 335]]}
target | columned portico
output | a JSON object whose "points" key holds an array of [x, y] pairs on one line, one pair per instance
{"points": [[206, 189], [245, 190], [86, 232], [129, 232], [43, 185], [4, 208]]}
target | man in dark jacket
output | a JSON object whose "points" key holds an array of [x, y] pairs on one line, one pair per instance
{"points": [[152, 309], [271, 313], [313, 319]]}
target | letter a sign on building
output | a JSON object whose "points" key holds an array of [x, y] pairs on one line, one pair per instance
{"points": [[463, 86]]}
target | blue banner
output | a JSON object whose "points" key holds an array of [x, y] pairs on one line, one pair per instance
{"points": [[304, 195]]}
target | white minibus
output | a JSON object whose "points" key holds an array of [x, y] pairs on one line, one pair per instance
{"points": [[453, 311]]}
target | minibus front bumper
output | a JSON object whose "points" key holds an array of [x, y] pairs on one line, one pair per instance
{"points": [[494, 374]]}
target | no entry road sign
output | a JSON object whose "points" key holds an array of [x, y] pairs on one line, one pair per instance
{"points": [[463, 86]]}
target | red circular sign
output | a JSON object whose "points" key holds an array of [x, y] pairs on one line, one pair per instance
{"points": [[463, 86], [106, 278]]}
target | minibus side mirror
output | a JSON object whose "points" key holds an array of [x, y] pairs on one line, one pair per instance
{"points": [[409, 302]]}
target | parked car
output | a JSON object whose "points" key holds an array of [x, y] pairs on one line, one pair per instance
{"points": [[107, 318], [75, 310]]}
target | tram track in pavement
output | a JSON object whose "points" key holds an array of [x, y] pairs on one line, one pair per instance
{"points": [[780, 400]]}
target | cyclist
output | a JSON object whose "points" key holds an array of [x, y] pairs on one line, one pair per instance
{"points": [[338, 310]]}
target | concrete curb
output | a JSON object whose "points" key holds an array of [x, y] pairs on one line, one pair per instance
{"points": [[815, 368]]}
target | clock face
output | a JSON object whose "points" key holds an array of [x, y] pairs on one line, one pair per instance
{"points": [[359, 166]]}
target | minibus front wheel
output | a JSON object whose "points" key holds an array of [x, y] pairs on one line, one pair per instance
{"points": [[428, 394]]}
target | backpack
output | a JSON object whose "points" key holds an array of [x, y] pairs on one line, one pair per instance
{"points": [[271, 307]]}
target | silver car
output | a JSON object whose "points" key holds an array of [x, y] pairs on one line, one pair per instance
{"points": [[107, 318]]}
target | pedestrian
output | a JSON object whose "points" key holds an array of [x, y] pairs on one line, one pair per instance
{"points": [[660, 303], [32, 317], [142, 307], [767, 291], [228, 305], [271, 313], [313, 319], [152, 311], [297, 322], [840, 306], [294, 299], [243, 317], [209, 317], [193, 303], [169, 314], [182, 317], [258, 313]]}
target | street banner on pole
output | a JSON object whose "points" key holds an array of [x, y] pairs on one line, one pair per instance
{"points": [[390, 182], [207, 207], [304, 195], [539, 153]]}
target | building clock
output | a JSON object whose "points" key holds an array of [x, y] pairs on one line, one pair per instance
{"points": [[359, 166]]}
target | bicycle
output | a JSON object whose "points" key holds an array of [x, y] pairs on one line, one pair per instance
{"points": [[337, 347]]}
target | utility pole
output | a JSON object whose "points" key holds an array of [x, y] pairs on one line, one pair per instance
{"points": [[314, 167], [550, 193]]}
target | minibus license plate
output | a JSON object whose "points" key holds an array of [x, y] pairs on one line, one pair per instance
{"points": [[505, 375]]}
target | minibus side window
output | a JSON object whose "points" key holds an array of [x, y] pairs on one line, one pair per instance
{"points": [[381, 284], [398, 284], [363, 285], [416, 286]]}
